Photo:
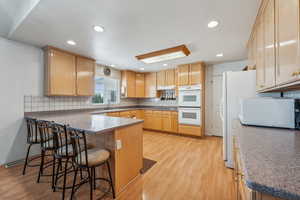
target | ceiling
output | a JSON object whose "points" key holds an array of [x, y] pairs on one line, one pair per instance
{"points": [[134, 27]]}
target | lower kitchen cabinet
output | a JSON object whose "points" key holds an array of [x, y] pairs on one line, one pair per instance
{"points": [[190, 130], [157, 120], [166, 121], [113, 114]]}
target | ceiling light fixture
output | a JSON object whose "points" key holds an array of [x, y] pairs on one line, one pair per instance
{"points": [[71, 42], [142, 68], [220, 55], [165, 54], [165, 64], [213, 24], [112, 65], [99, 29]]}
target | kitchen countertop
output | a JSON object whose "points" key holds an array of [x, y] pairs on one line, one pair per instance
{"points": [[162, 108], [85, 120], [271, 160]]}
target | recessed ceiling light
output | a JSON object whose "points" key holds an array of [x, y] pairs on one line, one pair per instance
{"points": [[99, 29], [71, 42], [142, 68], [165, 64], [220, 55], [112, 65], [212, 24]]}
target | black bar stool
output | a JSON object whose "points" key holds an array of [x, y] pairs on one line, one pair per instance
{"points": [[47, 146], [64, 153], [33, 138], [88, 159]]}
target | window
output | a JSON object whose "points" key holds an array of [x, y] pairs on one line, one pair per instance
{"points": [[107, 91]]}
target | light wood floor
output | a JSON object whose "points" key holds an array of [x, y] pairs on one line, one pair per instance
{"points": [[186, 169]]}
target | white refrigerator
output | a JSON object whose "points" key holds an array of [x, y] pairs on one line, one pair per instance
{"points": [[236, 86]]}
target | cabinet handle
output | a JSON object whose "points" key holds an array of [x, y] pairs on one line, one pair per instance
{"points": [[295, 73]]}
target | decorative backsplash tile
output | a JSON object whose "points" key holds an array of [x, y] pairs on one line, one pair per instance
{"points": [[43, 103], [157, 102]]}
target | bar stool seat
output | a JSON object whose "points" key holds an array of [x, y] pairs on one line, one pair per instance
{"points": [[68, 149], [94, 157]]}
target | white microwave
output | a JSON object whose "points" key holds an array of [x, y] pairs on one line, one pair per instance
{"points": [[189, 96], [270, 112]]}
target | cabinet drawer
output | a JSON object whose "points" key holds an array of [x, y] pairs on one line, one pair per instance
{"points": [[189, 130]]}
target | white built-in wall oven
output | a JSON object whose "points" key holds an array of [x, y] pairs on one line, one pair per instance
{"points": [[189, 102]]}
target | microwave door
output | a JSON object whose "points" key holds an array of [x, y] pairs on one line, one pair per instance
{"points": [[190, 98]]}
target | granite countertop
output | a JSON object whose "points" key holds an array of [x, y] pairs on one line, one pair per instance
{"points": [[271, 160], [92, 123], [162, 108]]}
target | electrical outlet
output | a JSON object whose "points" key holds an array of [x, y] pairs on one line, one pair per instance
{"points": [[118, 144]]}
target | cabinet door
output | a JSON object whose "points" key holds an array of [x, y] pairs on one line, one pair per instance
{"points": [[150, 85], [139, 85], [61, 73], [287, 20], [161, 77], [128, 84], [183, 74], [174, 118], [148, 116], [260, 65], [85, 76], [195, 73], [269, 43], [139, 114], [157, 120], [113, 114], [126, 114], [170, 77], [166, 121]]}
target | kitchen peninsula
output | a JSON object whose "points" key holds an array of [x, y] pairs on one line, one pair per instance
{"points": [[122, 136]]}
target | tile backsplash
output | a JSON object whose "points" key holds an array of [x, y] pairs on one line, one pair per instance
{"points": [[157, 102], [43, 103]]}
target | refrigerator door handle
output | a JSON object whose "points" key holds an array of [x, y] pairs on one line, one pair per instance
{"points": [[221, 110]]}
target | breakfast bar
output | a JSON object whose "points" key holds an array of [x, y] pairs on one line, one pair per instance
{"points": [[123, 137]]}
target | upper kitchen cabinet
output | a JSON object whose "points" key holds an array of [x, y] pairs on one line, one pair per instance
{"points": [[128, 84], [268, 17], [260, 63], [68, 74], [161, 79], [190, 74], [183, 74], [60, 73], [85, 76], [287, 20], [274, 46], [139, 85], [150, 85], [170, 78]]}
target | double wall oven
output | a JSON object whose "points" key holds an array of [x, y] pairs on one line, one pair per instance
{"points": [[189, 101]]}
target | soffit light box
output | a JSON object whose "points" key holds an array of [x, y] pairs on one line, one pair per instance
{"points": [[165, 54]]}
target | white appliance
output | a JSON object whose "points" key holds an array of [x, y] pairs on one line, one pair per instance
{"points": [[189, 96], [273, 112], [189, 116], [236, 86]]}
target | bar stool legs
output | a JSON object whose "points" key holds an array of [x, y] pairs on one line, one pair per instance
{"points": [[110, 178], [26, 159]]}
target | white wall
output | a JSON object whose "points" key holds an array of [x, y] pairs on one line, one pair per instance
{"points": [[21, 74]]}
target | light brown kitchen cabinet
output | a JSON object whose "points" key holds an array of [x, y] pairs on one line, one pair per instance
{"points": [[60, 73], [190, 130], [113, 114], [174, 119], [260, 63], [140, 114], [166, 121], [195, 73], [161, 78], [126, 114], [148, 116], [150, 85], [68, 74], [183, 74], [269, 43], [157, 120], [170, 77], [85, 69], [191, 74], [139, 85], [287, 20], [128, 84]]}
